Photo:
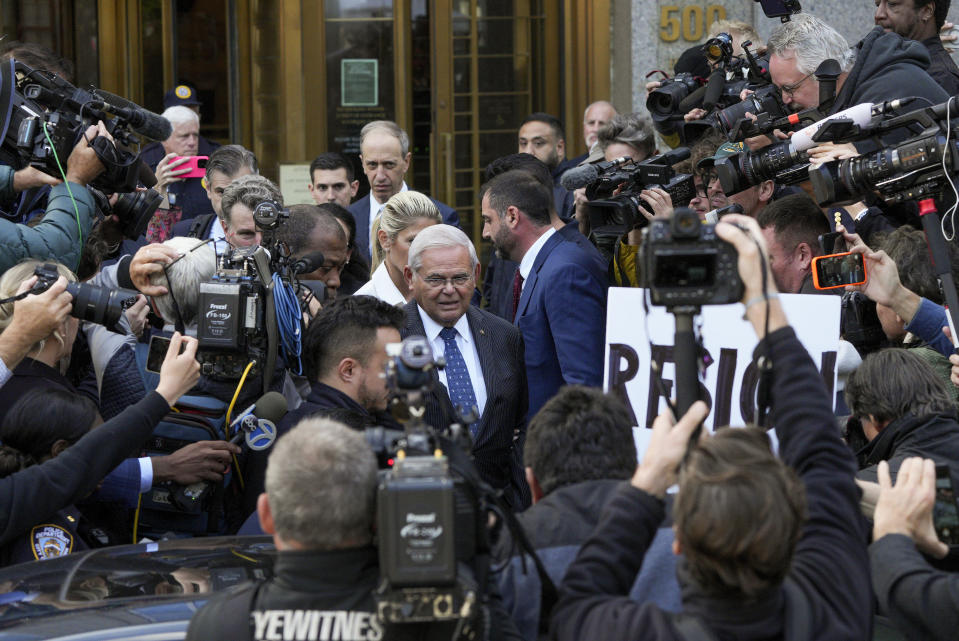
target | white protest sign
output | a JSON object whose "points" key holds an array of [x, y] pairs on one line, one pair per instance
{"points": [[727, 338]]}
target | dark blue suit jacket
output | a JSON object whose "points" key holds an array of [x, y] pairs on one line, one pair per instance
{"points": [[361, 214], [562, 316], [497, 454]]}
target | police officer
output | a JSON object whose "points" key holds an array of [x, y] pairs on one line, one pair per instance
{"points": [[319, 507]]}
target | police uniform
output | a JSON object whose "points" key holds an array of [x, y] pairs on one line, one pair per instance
{"points": [[53, 537]]}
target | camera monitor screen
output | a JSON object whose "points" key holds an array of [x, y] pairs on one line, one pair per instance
{"points": [[838, 270], [685, 270]]}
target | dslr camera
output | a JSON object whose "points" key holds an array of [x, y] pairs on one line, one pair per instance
{"points": [[90, 303], [685, 264]]}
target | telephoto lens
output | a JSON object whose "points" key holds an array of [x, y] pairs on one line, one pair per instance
{"points": [[98, 304], [779, 162]]}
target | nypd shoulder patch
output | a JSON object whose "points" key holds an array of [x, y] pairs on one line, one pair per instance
{"points": [[50, 541]]}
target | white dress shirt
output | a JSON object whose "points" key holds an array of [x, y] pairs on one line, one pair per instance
{"points": [[529, 259], [381, 286], [467, 347]]}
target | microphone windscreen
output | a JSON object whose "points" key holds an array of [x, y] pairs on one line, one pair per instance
{"points": [[714, 89], [309, 263], [579, 177], [272, 406], [692, 101]]}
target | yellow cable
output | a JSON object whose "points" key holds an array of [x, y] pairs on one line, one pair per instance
{"points": [[236, 394], [136, 518], [239, 475]]}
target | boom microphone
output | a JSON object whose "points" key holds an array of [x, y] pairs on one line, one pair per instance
{"points": [[309, 263], [144, 122]]}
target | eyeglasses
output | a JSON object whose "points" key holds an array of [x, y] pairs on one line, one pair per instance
{"points": [[702, 189], [436, 282], [791, 89]]}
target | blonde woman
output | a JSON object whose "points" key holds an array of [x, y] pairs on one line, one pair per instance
{"points": [[404, 216]]}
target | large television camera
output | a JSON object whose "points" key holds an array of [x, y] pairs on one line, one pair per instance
{"points": [[43, 117], [238, 319], [920, 166], [431, 506]]}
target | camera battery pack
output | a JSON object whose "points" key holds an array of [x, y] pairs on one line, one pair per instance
{"points": [[415, 525], [219, 315]]}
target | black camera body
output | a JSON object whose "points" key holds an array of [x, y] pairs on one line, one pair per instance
{"points": [[430, 524], [133, 209], [765, 103], [613, 215], [685, 264], [234, 313], [90, 303], [43, 117]]}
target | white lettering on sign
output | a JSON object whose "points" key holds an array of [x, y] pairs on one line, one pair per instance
{"points": [[316, 625]]}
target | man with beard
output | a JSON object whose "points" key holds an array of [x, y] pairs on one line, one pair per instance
{"points": [[559, 291]]}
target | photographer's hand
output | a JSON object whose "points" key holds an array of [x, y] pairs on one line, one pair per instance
{"points": [[883, 285], [660, 202], [200, 461], [34, 318], [667, 447], [828, 151], [580, 200], [743, 233], [906, 508], [30, 177], [83, 165], [150, 260], [179, 372]]}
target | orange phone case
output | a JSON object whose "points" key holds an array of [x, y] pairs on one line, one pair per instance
{"points": [[815, 271]]}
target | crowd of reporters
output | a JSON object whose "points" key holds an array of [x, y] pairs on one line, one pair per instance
{"points": [[828, 535]]}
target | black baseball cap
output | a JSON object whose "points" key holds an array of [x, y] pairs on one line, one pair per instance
{"points": [[180, 95]]}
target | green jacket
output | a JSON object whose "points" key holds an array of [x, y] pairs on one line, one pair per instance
{"points": [[56, 235]]}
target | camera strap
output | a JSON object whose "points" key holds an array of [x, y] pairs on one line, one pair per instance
{"points": [[461, 463]]}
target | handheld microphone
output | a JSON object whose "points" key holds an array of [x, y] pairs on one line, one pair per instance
{"points": [[144, 122], [860, 114], [309, 263], [257, 423], [712, 217]]}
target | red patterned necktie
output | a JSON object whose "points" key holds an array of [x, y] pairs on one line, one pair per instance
{"points": [[517, 291]]}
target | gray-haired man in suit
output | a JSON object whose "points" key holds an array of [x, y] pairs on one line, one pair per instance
{"points": [[484, 356]]}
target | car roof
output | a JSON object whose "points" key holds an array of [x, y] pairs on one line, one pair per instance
{"points": [[144, 591]]}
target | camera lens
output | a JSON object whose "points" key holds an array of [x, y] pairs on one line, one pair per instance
{"points": [[685, 223], [98, 304]]}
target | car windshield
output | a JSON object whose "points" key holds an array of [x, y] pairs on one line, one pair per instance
{"points": [[148, 572]]}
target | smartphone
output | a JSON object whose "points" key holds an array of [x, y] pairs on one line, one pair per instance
{"points": [[159, 345], [838, 270], [196, 164], [945, 514]]}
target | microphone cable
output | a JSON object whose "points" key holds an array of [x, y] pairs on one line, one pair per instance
{"points": [[288, 320]]}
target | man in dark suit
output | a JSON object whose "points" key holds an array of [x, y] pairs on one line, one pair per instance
{"points": [[385, 154], [483, 353], [559, 289]]}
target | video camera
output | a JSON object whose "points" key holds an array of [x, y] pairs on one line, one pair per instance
{"points": [[238, 321], [613, 214], [677, 96], [431, 520], [684, 263], [919, 167], [90, 303], [44, 117], [780, 8]]}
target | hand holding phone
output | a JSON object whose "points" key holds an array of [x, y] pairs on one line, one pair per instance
{"points": [[838, 270], [189, 166]]}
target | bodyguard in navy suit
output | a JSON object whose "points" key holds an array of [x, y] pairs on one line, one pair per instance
{"points": [[385, 154], [559, 289], [483, 353]]}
